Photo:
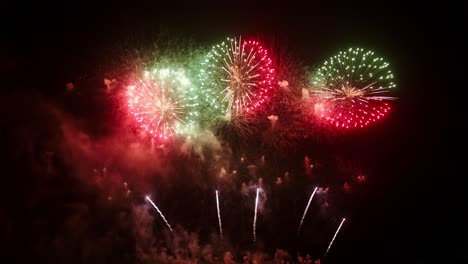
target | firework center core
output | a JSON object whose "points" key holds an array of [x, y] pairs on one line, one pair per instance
{"points": [[350, 92]]}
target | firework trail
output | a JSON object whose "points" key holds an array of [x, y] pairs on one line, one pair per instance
{"points": [[305, 211], [219, 215], [255, 218], [162, 216], [336, 233]]}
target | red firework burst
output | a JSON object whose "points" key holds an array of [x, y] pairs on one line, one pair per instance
{"points": [[351, 114]]}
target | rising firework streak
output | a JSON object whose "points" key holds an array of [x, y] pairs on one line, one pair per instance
{"points": [[162, 216], [255, 218], [336, 233], [219, 215], [305, 211]]}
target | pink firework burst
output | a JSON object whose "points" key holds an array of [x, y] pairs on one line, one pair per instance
{"points": [[162, 103]]}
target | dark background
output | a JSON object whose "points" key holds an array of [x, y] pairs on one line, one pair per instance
{"points": [[408, 215]]}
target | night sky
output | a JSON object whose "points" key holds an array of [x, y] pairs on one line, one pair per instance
{"points": [[404, 213]]}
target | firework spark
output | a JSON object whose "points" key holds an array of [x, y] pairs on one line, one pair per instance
{"points": [[162, 216], [219, 215], [352, 88], [305, 211], [255, 218], [236, 77], [336, 233], [163, 103]]}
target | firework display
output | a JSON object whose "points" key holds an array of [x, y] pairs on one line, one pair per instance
{"points": [[236, 77], [163, 103], [352, 88], [242, 134], [179, 112]]}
